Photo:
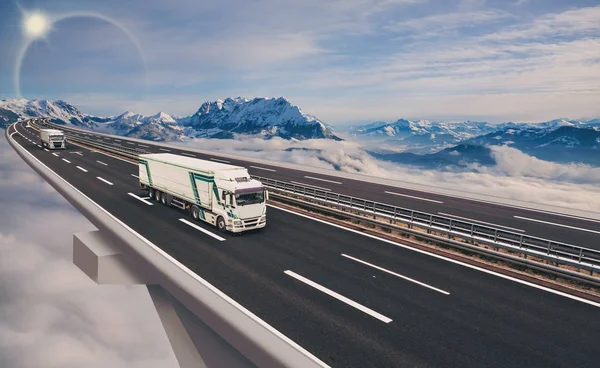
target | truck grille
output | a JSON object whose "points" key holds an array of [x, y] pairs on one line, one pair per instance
{"points": [[251, 222]]}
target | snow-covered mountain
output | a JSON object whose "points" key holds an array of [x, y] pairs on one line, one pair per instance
{"points": [[264, 117], [58, 111]]}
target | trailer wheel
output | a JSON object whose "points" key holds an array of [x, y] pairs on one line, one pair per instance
{"points": [[157, 195], [195, 212], [151, 193], [163, 199], [221, 224]]}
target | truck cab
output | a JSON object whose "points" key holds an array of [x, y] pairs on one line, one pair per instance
{"points": [[245, 202], [52, 139]]}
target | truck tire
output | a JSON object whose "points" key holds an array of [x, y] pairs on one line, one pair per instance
{"points": [[151, 193], [195, 212], [221, 224], [157, 195], [163, 198]]}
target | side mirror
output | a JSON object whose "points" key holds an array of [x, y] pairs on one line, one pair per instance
{"points": [[266, 195]]}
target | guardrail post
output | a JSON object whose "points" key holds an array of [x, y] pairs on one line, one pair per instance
{"points": [[430, 224], [412, 216]]}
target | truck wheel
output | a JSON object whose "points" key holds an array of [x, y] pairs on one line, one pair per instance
{"points": [[163, 199], [157, 195], [151, 193], [195, 212], [221, 224]]}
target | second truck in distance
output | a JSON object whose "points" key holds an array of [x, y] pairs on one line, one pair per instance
{"points": [[222, 195]]}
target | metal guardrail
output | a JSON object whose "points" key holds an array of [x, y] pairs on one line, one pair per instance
{"points": [[562, 253], [581, 257]]}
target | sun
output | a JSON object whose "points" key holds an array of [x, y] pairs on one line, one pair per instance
{"points": [[36, 25]]}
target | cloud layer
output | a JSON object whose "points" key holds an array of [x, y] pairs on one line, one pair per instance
{"points": [[516, 176], [51, 314]]}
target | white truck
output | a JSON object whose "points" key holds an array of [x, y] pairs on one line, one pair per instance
{"points": [[222, 195], [52, 138]]}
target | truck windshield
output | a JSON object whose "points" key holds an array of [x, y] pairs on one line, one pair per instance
{"points": [[250, 198]]}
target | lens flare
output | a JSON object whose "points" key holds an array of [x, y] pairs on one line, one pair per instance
{"points": [[36, 25]]}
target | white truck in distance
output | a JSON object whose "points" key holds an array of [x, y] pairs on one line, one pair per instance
{"points": [[220, 194], [52, 138]]}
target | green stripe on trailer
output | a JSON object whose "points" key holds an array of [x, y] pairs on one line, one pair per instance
{"points": [[194, 188], [145, 163]]}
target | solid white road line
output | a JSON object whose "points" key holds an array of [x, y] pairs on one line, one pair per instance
{"points": [[481, 222], [325, 180], [409, 196], [555, 224], [396, 274], [141, 199], [523, 282], [164, 149], [100, 162], [339, 297], [135, 176], [55, 154], [82, 169], [262, 168], [188, 154], [219, 160], [308, 185], [67, 161], [185, 269], [201, 229], [104, 180]]}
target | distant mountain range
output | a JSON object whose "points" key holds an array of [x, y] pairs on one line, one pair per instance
{"points": [[263, 117], [418, 143]]}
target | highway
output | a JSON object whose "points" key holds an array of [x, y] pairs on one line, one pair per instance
{"points": [[351, 300], [563, 228]]}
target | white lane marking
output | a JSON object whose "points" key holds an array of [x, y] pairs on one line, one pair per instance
{"points": [[339, 297], [145, 197], [262, 168], [219, 160], [117, 140], [79, 153], [100, 162], [47, 150], [82, 169], [164, 149], [188, 154], [55, 154], [308, 185], [67, 161], [409, 196], [135, 176], [397, 275], [185, 269], [39, 146], [325, 180], [143, 145], [104, 180], [595, 304], [555, 224], [141, 199], [201, 229], [481, 222], [129, 142]]}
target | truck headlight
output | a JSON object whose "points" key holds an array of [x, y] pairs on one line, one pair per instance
{"points": [[237, 223]]}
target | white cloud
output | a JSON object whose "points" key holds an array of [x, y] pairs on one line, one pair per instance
{"points": [[517, 176], [51, 314]]}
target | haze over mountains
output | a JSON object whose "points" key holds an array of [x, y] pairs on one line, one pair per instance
{"points": [[421, 143]]}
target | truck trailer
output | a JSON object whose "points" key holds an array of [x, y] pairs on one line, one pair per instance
{"points": [[222, 195], [52, 139]]}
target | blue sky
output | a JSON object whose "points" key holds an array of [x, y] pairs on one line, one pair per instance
{"points": [[345, 61]]}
